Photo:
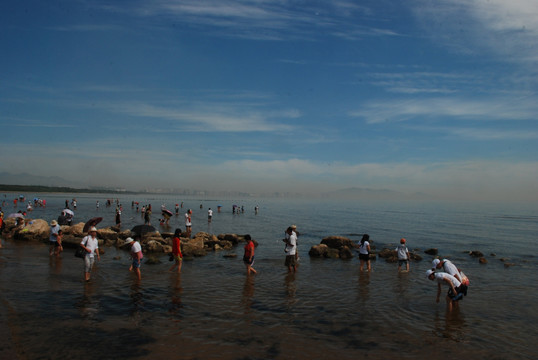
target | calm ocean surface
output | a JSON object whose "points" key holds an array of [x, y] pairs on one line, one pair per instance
{"points": [[327, 310]]}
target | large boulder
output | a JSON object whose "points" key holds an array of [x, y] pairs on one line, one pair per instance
{"points": [[34, 230], [318, 251], [107, 234], [345, 253], [193, 247], [337, 242]]}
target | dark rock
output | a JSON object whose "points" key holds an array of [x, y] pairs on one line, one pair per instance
{"points": [[482, 260], [332, 253], [432, 251], [476, 253], [337, 242], [415, 256], [387, 253], [318, 251], [345, 253]]}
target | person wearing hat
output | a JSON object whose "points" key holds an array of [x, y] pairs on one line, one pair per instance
{"points": [[91, 245], [454, 293], [403, 255], [448, 267], [291, 249], [53, 238], [136, 254]]}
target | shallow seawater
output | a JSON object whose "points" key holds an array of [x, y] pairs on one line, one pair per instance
{"points": [[327, 310]]}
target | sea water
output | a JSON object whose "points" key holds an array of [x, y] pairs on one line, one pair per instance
{"points": [[327, 310]]}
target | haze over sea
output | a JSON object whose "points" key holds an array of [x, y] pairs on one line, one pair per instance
{"points": [[327, 310]]}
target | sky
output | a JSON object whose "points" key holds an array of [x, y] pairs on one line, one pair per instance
{"points": [[416, 96]]}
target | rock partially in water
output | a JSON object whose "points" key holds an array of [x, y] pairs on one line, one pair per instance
{"points": [[432, 251], [476, 253]]}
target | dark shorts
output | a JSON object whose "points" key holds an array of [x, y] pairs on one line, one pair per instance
{"points": [[290, 260], [364, 257], [402, 262], [136, 263], [246, 260], [453, 296], [54, 243]]}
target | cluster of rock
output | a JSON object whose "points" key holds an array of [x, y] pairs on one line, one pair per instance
{"points": [[39, 231], [340, 247]]}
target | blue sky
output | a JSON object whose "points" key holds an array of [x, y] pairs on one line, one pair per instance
{"points": [[438, 97]]}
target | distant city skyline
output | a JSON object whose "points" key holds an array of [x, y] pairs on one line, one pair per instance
{"points": [[418, 97]]}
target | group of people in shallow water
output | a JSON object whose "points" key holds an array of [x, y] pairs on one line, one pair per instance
{"points": [[443, 271]]}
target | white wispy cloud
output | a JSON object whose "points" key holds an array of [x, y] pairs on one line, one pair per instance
{"points": [[448, 107], [261, 19], [506, 28]]}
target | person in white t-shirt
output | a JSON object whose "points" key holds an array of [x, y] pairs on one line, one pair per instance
{"points": [[454, 284], [291, 249], [91, 245], [403, 255], [188, 223], [448, 267], [209, 215], [136, 254]]}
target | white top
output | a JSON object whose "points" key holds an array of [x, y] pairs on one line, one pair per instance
{"points": [[291, 245], [451, 269], [187, 219], [54, 233], [441, 276], [403, 253], [136, 247], [91, 243], [209, 212], [363, 248]]}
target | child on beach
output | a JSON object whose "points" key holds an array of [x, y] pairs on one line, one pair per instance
{"points": [[403, 256]]}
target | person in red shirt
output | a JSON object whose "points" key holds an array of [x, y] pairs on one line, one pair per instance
{"points": [[248, 257], [176, 251]]}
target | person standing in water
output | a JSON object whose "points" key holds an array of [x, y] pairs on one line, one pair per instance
{"points": [[291, 250], [248, 257], [136, 254], [176, 251], [364, 252], [91, 245], [403, 255]]}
